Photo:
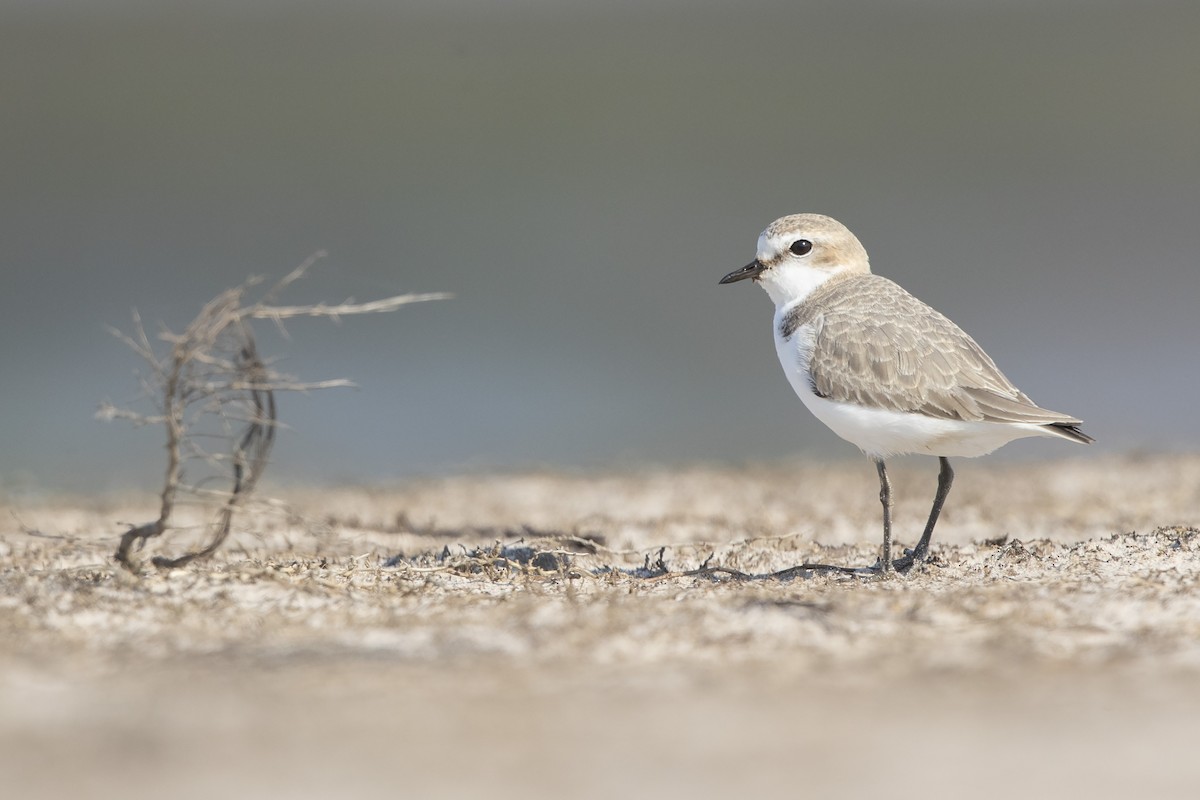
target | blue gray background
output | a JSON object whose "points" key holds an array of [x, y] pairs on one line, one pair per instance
{"points": [[580, 174]]}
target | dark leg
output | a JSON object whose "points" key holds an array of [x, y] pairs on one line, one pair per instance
{"points": [[885, 497], [945, 478]]}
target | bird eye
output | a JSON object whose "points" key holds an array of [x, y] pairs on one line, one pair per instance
{"points": [[801, 247]]}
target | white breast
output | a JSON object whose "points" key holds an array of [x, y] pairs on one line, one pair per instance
{"points": [[881, 432]]}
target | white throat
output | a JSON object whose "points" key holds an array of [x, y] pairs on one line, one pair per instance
{"points": [[789, 284]]}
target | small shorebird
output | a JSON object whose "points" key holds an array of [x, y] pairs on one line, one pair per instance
{"points": [[883, 370]]}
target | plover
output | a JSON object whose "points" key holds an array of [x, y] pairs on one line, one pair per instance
{"points": [[883, 370]]}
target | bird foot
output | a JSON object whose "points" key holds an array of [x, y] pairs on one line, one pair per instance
{"points": [[904, 565], [910, 561]]}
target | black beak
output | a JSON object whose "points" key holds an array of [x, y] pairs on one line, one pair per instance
{"points": [[751, 270]]}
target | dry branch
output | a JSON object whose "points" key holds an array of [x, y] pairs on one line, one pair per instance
{"points": [[212, 384]]}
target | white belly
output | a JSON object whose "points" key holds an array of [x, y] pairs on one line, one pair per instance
{"points": [[882, 433]]}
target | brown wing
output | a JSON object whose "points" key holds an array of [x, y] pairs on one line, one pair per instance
{"points": [[877, 345]]}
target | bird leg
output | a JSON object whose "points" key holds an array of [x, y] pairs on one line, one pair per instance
{"points": [[945, 478], [885, 497]]}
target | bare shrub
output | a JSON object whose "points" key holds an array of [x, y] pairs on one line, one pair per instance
{"points": [[215, 397]]}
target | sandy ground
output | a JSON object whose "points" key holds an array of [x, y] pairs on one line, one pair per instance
{"points": [[540, 635]]}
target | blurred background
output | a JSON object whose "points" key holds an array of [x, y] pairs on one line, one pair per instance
{"points": [[580, 175]]}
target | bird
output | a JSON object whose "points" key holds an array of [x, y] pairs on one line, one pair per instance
{"points": [[882, 369]]}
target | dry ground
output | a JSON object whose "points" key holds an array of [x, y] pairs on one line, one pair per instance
{"points": [[539, 636]]}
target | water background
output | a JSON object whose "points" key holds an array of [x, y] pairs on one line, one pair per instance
{"points": [[580, 175]]}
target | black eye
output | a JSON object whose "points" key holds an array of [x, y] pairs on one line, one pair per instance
{"points": [[801, 247]]}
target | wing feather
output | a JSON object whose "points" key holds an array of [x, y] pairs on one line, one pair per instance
{"points": [[876, 345]]}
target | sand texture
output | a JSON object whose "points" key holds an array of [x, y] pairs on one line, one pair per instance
{"points": [[551, 635]]}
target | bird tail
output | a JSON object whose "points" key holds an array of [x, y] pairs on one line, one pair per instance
{"points": [[1068, 430]]}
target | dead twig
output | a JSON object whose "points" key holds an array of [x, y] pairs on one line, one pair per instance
{"points": [[212, 384]]}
